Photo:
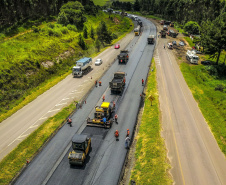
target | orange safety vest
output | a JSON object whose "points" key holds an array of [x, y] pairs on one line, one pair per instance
{"points": [[116, 116], [116, 133], [127, 132]]}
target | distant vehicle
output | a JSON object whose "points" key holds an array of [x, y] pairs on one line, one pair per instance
{"points": [[192, 57], [167, 22], [197, 51], [139, 22], [172, 33], [165, 27], [181, 43], [162, 22], [98, 62], [151, 39], [117, 46], [170, 46], [118, 82], [81, 145], [163, 33], [123, 57], [206, 62], [82, 66], [137, 30], [174, 43]]}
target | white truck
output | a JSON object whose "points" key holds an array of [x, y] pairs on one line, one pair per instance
{"points": [[192, 57], [82, 66]]}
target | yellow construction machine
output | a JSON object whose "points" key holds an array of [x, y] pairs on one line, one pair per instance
{"points": [[102, 116]]}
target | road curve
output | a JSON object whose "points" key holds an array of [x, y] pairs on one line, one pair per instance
{"points": [[107, 157]]}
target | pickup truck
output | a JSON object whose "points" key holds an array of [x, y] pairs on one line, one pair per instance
{"points": [[123, 57], [118, 83]]}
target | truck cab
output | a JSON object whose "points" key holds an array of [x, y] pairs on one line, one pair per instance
{"points": [[151, 39], [81, 145], [192, 57]]}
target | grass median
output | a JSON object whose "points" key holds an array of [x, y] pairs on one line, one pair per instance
{"points": [[12, 164], [151, 166]]}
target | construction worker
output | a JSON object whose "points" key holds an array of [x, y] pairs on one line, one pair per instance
{"points": [[127, 133], [69, 121], [96, 83], [113, 104], [104, 98], [116, 135], [127, 142], [104, 120], [99, 83], [116, 118], [142, 81], [164, 46]]}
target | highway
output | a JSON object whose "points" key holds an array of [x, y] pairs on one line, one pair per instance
{"points": [[193, 152], [106, 159]]}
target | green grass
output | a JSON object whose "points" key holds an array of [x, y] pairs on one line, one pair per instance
{"points": [[12, 164], [151, 166], [26, 52], [212, 103], [100, 2], [190, 42]]}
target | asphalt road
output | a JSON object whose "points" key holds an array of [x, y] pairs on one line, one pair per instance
{"points": [[17, 127], [107, 157], [193, 152]]}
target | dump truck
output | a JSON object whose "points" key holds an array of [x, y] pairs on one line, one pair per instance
{"points": [[81, 145], [137, 30], [172, 33], [163, 33], [82, 66], [102, 116], [151, 39], [118, 82], [192, 57], [123, 57]]}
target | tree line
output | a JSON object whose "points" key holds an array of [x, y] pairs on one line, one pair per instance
{"points": [[13, 11]]}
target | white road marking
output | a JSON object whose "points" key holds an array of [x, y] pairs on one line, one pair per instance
{"points": [[43, 118], [54, 110], [33, 126], [23, 136], [60, 104], [65, 98]]}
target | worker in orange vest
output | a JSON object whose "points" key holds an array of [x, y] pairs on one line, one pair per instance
{"points": [[113, 104], [116, 135], [116, 118], [99, 83], [142, 81], [104, 98], [127, 133]]}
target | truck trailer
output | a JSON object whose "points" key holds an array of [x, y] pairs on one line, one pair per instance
{"points": [[82, 66], [151, 39], [118, 83]]}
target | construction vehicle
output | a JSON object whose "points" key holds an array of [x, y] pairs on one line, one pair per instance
{"points": [[139, 22], [172, 33], [151, 39], [81, 145], [102, 112], [192, 57], [167, 22], [163, 33], [137, 30], [123, 57], [82, 66], [118, 82]]}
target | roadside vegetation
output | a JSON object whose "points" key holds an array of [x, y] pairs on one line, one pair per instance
{"points": [[47, 52], [151, 164], [12, 164]]}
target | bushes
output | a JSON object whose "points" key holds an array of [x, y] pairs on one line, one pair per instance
{"points": [[72, 27]]}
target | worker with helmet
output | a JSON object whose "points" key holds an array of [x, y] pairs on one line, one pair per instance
{"points": [[116, 118], [127, 133], [116, 135]]}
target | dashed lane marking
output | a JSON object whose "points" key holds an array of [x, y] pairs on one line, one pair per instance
{"points": [[54, 110], [60, 104]]}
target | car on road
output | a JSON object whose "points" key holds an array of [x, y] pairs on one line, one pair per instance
{"points": [[174, 43], [181, 43], [117, 46], [98, 62], [206, 62]]}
